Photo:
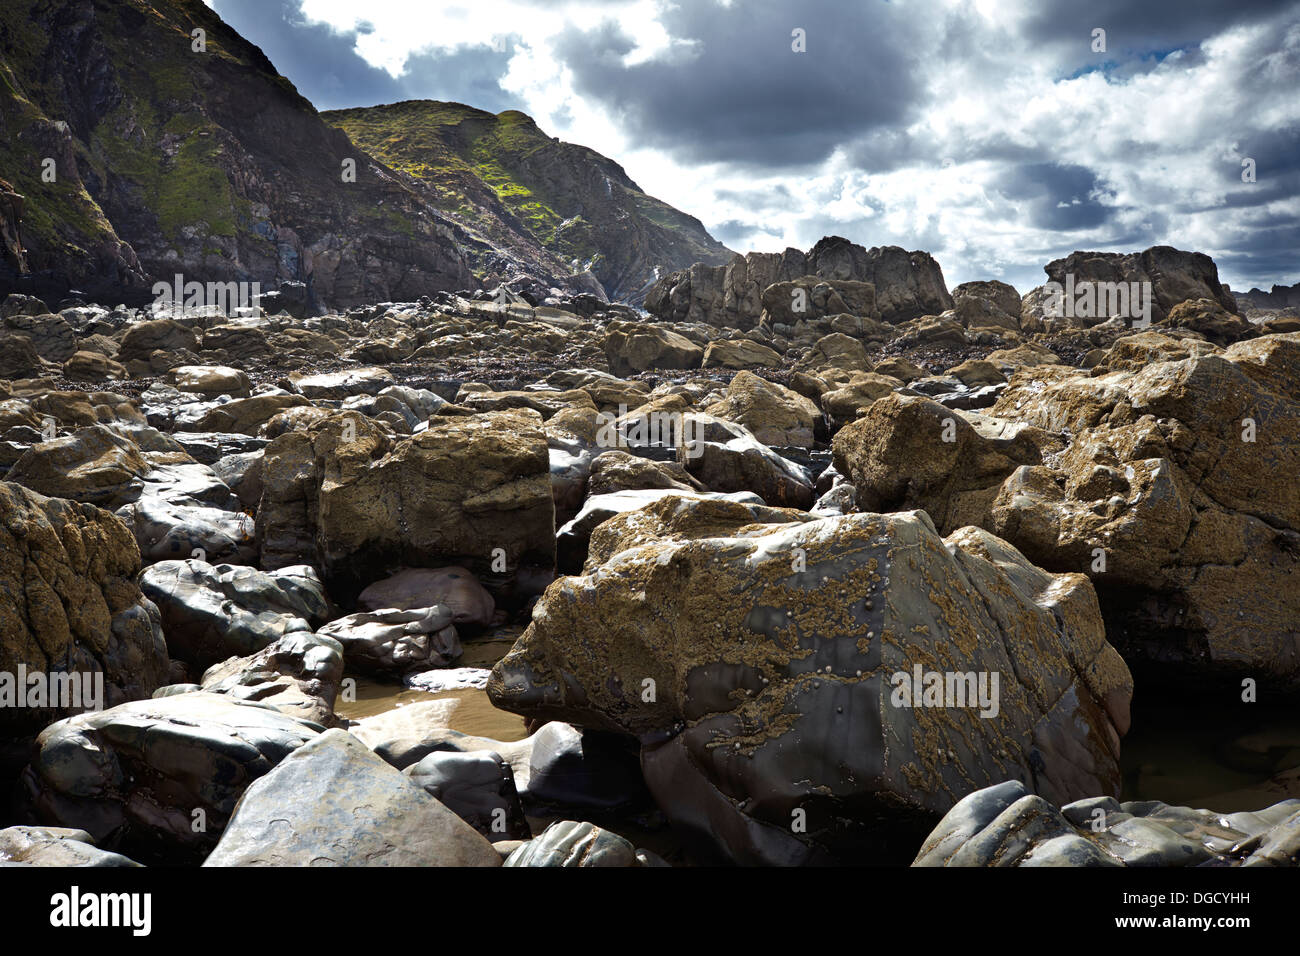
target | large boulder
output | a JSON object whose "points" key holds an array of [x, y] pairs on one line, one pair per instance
{"points": [[1157, 479], [396, 642], [473, 491], [156, 779], [334, 803], [70, 609], [633, 348], [767, 668]]}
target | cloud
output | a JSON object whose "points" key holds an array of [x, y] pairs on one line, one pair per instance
{"points": [[987, 132]]}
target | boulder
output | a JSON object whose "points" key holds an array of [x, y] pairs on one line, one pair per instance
{"points": [[156, 779], [334, 803], [773, 414], [54, 846], [1006, 825], [479, 787], [211, 613], [453, 588], [70, 610], [636, 348], [397, 642], [758, 689], [298, 675]]}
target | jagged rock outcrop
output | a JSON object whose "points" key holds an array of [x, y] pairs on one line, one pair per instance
{"points": [[905, 284], [1175, 276], [755, 652]]}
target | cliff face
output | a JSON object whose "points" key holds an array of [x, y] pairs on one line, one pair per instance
{"points": [[531, 201], [206, 163]]}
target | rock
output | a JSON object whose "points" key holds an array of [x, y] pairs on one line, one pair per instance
{"points": [[19, 358], [811, 297], [138, 776], [405, 735], [247, 415], [740, 353], [850, 400], [55, 846], [615, 471], [144, 338], [69, 605], [462, 492], [51, 336], [572, 539], [1005, 825], [94, 465], [634, 348], [453, 588], [391, 641], [727, 458], [298, 675], [906, 284], [570, 771], [340, 385], [747, 725], [1209, 318], [836, 351], [1175, 275], [774, 414], [568, 843], [334, 803], [1200, 541], [910, 452], [210, 381], [211, 613], [479, 787], [92, 367]]}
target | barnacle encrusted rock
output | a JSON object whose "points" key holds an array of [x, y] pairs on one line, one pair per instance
{"points": [[753, 651]]}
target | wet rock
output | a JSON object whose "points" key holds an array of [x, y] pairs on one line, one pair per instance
{"points": [[569, 843], [746, 724], [740, 354], [479, 787], [1005, 825], [453, 588], [55, 846], [156, 779], [298, 675], [210, 381], [392, 641], [726, 458], [211, 613], [334, 803]]}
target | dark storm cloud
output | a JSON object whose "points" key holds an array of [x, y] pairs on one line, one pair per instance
{"points": [[324, 65], [734, 91], [1136, 28], [1059, 196]]}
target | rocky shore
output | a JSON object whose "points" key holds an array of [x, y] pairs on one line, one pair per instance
{"points": [[814, 561]]}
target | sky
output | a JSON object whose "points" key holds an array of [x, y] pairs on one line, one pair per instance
{"points": [[996, 135]]}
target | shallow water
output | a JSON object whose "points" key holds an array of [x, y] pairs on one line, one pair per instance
{"points": [[1186, 751], [475, 713]]}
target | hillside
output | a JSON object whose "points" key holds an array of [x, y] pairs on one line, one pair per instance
{"points": [[554, 205], [208, 163]]}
